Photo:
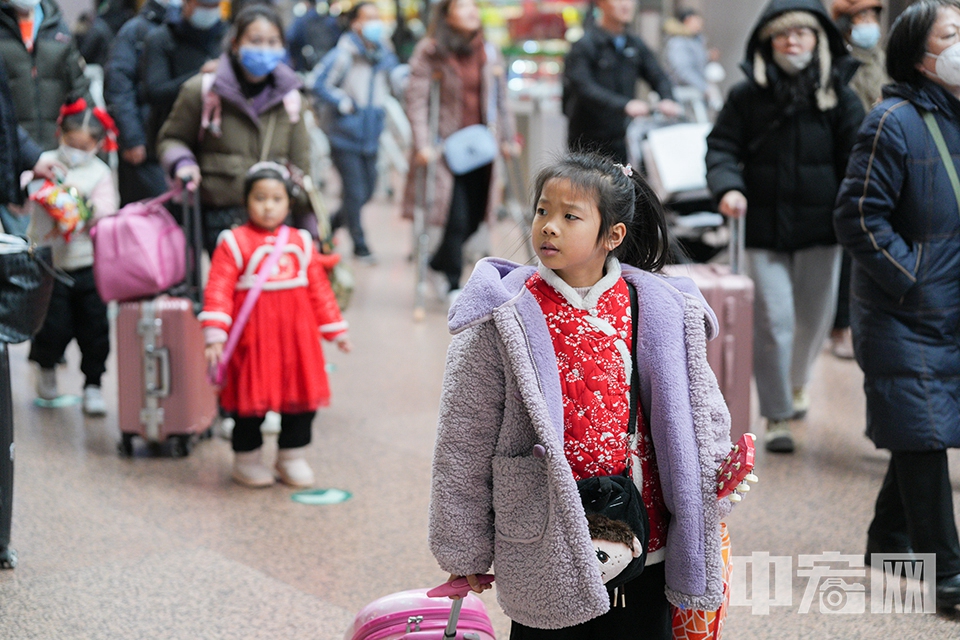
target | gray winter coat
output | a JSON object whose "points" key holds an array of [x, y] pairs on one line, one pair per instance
{"points": [[493, 502]]}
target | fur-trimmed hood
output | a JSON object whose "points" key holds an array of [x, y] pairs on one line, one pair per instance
{"points": [[836, 64], [497, 281]]}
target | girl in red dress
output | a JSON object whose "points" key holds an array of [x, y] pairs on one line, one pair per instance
{"points": [[278, 362]]}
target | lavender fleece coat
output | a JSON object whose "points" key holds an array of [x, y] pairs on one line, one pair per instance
{"points": [[494, 502]]}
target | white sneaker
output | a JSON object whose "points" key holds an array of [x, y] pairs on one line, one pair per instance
{"points": [[47, 384], [249, 470], [778, 438], [226, 427], [270, 424], [93, 403], [293, 468], [801, 403]]}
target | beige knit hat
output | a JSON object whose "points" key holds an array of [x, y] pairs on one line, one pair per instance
{"points": [[826, 96]]}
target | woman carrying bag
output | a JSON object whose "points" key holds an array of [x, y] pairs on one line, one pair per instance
{"points": [[473, 91]]}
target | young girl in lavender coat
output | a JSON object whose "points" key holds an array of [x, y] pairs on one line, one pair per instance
{"points": [[536, 396]]}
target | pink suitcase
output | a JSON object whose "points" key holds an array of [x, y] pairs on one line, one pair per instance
{"points": [[164, 393], [415, 616], [730, 294]]}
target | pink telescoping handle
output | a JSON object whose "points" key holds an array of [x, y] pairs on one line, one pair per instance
{"points": [[249, 303], [459, 587]]}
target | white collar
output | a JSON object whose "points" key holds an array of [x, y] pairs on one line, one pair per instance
{"points": [[569, 294]]}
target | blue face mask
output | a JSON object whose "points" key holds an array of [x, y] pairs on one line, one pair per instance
{"points": [[260, 61], [372, 30], [204, 18], [865, 36]]}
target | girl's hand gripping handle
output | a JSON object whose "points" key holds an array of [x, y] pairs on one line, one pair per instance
{"points": [[459, 586]]}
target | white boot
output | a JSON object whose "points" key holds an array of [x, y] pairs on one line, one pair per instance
{"points": [[47, 384], [249, 470], [293, 467]]}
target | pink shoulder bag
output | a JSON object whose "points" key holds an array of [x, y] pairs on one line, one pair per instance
{"points": [[249, 302]]}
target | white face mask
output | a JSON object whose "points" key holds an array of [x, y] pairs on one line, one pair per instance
{"points": [[73, 157], [792, 63], [24, 5], [948, 65]]}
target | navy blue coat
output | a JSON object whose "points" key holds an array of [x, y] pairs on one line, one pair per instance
{"points": [[122, 75], [898, 217]]}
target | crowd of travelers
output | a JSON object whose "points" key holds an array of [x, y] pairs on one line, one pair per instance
{"points": [[838, 153]]}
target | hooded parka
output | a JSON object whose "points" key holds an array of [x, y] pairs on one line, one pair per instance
{"points": [[40, 80], [787, 162], [897, 215]]}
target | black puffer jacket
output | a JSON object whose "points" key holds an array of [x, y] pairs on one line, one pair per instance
{"points": [[787, 161], [17, 151], [599, 80], [122, 81], [897, 216], [41, 81], [172, 54]]}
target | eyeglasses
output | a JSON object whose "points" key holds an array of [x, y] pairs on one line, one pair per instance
{"points": [[798, 33]]}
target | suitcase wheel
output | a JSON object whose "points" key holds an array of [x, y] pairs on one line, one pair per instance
{"points": [[125, 446], [182, 446]]}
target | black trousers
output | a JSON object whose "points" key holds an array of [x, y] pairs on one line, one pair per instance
{"points": [[468, 207], [75, 312], [358, 172], [646, 616], [915, 509], [295, 431], [216, 220]]}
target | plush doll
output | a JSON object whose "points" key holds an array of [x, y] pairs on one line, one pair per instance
{"points": [[615, 543], [618, 526]]}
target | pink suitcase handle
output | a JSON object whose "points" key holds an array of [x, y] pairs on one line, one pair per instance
{"points": [[459, 587]]}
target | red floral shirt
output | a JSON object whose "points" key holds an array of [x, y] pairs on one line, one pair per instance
{"points": [[594, 364]]}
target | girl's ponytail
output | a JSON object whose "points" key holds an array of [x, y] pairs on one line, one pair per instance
{"points": [[647, 242]]}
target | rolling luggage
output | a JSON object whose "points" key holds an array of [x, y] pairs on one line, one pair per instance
{"points": [[730, 294], [420, 614], [164, 393]]}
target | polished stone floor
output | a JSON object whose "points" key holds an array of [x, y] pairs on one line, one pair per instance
{"points": [[118, 548]]}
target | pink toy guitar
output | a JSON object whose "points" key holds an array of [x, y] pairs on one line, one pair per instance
{"points": [[736, 471]]}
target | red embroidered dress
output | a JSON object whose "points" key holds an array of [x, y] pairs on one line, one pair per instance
{"points": [[278, 364], [591, 338]]}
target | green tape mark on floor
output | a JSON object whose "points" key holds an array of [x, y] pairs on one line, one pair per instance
{"points": [[56, 403], [321, 496]]}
